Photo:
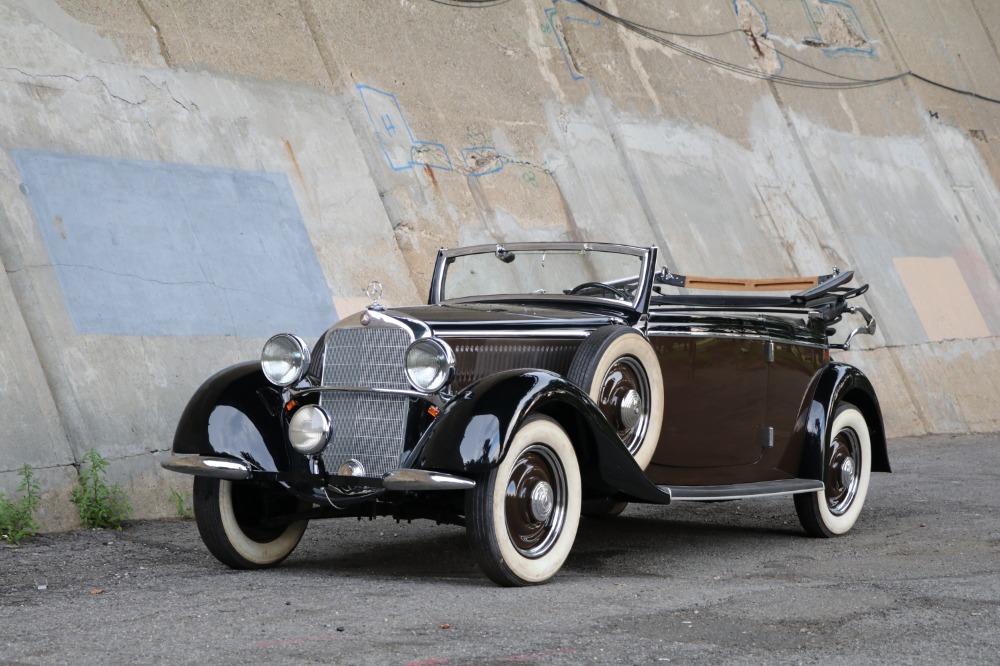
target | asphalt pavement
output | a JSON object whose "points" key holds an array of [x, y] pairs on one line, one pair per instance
{"points": [[916, 582]]}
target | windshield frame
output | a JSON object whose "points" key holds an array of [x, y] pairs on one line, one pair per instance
{"points": [[639, 304]]}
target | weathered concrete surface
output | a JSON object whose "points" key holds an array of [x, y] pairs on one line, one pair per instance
{"points": [[403, 126]]}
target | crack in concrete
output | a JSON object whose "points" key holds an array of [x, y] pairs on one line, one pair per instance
{"points": [[79, 80], [163, 86]]}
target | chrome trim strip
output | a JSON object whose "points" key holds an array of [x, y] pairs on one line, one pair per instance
{"points": [[217, 468], [433, 397], [421, 479], [391, 318], [359, 389], [741, 490], [654, 332], [531, 334]]}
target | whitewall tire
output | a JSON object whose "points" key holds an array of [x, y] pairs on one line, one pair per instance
{"points": [[523, 516]]}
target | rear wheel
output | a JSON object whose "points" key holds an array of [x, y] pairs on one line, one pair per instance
{"points": [[244, 525], [847, 470], [522, 517]]}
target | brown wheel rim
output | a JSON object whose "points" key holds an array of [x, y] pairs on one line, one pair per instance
{"points": [[535, 501], [624, 400]]}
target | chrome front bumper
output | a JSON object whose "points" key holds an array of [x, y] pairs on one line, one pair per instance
{"points": [[235, 470], [219, 468]]}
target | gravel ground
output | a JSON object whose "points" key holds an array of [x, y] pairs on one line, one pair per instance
{"points": [[916, 582]]}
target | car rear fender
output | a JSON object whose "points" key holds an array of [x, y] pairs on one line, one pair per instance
{"points": [[838, 382], [474, 430], [236, 414]]}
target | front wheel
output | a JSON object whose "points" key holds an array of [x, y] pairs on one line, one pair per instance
{"points": [[847, 469], [522, 517], [244, 525]]}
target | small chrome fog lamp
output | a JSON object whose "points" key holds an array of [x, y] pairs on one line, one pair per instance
{"points": [[309, 429], [285, 359], [430, 364]]}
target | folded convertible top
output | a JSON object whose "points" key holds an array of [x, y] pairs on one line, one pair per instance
{"points": [[823, 296]]}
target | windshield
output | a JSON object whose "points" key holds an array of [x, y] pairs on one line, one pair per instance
{"points": [[537, 271]]}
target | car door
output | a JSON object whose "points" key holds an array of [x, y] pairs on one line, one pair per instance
{"points": [[715, 404]]}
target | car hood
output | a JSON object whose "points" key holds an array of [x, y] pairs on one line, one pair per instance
{"points": [[449, 318]]}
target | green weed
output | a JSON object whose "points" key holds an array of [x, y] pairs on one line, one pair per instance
{"points": [[17, 518], [183, 503], [99, 504]]}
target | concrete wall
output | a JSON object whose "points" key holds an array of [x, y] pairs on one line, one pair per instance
{"points": [[180, 179]]}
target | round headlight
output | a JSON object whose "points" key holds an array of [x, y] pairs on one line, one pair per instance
{"points": [[285, 359], [430, 364], [309, 429]]}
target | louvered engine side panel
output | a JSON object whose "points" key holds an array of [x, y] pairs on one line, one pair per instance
{"points": [[476, 359]]}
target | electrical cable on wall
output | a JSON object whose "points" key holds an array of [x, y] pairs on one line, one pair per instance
{"points": [[477, 4], [844, 82]]}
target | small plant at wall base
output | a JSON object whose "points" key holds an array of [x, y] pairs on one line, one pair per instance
{"points": [[17, 518], [99, 504], [183, 503]]}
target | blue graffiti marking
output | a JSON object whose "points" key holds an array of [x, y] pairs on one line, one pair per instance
{"points": [[482, 160], [551, 27], [596, 22], [551, 14], [389, 127], [401, 150], [152, 248], [843, 12], [428, 153]]}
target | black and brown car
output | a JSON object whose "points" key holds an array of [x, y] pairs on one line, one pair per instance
{"points": [[541, 382]]}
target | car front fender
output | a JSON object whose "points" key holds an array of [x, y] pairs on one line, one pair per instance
{"points": [[474, 430], [237, 414], [838, 382]]}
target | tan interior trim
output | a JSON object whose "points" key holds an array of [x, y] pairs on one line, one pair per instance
{"points": [[751, 284]]}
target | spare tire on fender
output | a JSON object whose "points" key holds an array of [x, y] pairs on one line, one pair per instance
{"points": [[618, 368]]}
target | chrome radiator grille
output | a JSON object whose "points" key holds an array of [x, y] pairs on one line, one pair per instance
{"points": [[367, 427]]}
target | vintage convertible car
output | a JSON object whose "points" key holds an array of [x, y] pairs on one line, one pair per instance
{"points": [[541, 382]]}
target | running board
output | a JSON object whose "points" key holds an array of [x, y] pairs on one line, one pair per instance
{"points": [[741, 490]]}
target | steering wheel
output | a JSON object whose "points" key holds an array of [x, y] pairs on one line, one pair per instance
{"points": [[599, 285]]}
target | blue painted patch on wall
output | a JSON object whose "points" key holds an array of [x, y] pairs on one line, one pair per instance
{"points": [[150, 248]]}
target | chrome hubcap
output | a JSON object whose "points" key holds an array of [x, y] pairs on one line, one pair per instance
{"points": [[542, 501], [847, 473], [842, 471], [631, 409], [535, 501], [623, 396]]}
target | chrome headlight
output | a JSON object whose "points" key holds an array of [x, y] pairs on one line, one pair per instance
{"points": [[430, 364], [309, 429], [285, 359]]}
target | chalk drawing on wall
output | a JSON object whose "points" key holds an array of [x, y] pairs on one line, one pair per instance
{"points": [[836, 29], [400, 148], [553, 26], [402, 151], [152, 248]]}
